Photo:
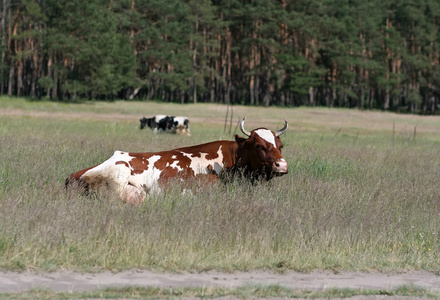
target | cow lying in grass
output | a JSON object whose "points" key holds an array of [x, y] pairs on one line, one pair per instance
{"points": [[133, 175]]}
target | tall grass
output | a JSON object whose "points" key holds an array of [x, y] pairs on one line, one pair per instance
{"points": [[350, 202]]}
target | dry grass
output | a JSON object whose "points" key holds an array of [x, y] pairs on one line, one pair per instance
{"points": [[355, 198], [244, 292]]}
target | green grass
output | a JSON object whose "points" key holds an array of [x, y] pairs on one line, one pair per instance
{"points": [[246, 292], [355, 198]]}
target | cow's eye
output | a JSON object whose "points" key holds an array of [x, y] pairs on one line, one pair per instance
{"points": [[260, 148]]}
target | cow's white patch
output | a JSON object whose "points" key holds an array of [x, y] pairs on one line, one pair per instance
{"points": [[109, 172], [175, 165], [148, 178], [116, 173], [117, 156], [121, 174], [157, 118], [200, 165], [267, 135], [180, 120]]}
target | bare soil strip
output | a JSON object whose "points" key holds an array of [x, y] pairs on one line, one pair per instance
{"points": [[69, 281]]}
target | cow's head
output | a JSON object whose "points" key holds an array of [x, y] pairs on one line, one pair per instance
{"points": [[146, 122], [260, 152]]}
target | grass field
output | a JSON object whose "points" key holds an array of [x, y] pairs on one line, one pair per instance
{"points": [[362, 192]]}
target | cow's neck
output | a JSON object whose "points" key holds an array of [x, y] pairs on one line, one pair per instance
{"points": [[240, 162], [243, 162], [231, 160]]}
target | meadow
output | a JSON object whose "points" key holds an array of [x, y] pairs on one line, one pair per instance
{"points": [[362, 192]]}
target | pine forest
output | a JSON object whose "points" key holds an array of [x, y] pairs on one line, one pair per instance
{"points": [[375, 54]]}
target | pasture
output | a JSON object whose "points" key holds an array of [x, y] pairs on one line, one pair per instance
{"points": [[362, 192]]}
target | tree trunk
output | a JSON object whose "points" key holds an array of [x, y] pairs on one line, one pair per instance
{"points": [[361, 98], [55, 86], [11, 77], [195, 92], [3, 25]]}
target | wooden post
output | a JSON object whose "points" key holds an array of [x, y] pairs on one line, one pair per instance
{"points": [[394, 129], [226, 117], [230, 120]]}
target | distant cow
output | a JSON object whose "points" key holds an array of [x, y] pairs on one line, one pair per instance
{"points": [[169, 124], [133, 175]]}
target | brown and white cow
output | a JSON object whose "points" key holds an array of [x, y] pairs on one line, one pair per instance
{"points": [[133, 175]]}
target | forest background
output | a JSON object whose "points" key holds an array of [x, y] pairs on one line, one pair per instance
{"points": [[376, 54]]}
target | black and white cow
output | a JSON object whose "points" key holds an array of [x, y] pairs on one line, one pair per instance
{"points": [[169, 124]]}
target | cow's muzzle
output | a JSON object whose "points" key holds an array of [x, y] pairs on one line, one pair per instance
{"points": [[280, 167]]}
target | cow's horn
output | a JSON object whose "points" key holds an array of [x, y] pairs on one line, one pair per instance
{"points": [[247, 133], [282, 130]]}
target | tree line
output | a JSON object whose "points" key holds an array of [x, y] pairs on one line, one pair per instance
{"points": [[376, 54]]}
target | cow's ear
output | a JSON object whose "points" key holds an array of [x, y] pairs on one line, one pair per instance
{"points": [[240, 140]]}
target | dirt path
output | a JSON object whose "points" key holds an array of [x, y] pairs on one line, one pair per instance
{"points": [[68, 281]]}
